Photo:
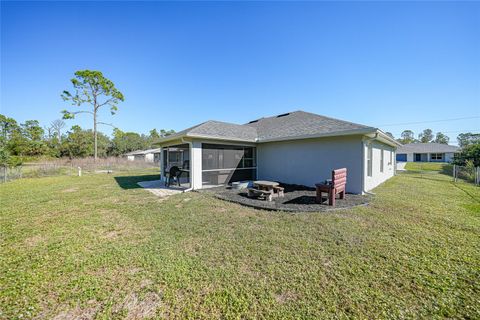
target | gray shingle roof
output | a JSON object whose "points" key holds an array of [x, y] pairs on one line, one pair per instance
{"points": [[292, 125], [221, 130], [430, 147], [299, 124]]}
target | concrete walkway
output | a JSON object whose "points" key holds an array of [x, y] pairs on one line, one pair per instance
{"points": [[401, 166], [158, 188]]}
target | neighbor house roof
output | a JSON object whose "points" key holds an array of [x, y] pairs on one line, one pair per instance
{"points": [[430, 147], [287, 126], [141, 152]]}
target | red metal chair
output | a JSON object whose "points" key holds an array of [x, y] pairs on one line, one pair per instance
{"points": [[337, 186]]}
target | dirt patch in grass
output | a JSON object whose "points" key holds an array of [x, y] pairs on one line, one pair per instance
{"points": [[136, 307], [78, 314], [285, 297], [34, 241], [145, 283], [112, 234], [68, 190]]}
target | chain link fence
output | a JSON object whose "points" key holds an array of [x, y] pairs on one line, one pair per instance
{"points": [[444, 172], [469, 174], [63, 167]]}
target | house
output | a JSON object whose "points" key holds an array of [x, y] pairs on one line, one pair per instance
{"points": [[426, 152], [150, 155], [295, 148]]}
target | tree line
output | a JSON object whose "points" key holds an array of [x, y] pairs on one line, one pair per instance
{"points": [[92, 91], [20, 141], [426, 136]]}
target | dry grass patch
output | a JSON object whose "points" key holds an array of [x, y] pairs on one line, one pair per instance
{"points": [[136, 307], [34, 241]]}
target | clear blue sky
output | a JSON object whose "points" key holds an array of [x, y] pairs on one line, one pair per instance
{"points": [[182, 63]]}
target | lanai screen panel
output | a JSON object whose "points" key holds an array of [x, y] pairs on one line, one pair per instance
{"points": [[223, 164]]}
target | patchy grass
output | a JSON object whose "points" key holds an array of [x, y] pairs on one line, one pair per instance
{"points": [[99, 247]]}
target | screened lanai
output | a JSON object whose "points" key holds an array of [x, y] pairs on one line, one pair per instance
{"points": [[177, 156], [223, 164]]}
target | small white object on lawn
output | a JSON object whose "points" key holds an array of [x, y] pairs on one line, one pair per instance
{"points": [[401, 166]]}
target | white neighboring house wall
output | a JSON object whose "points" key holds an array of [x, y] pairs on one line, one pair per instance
{"points": [[310, 161], [149, 157], [448, 157], [131, 158], [377, 176]]}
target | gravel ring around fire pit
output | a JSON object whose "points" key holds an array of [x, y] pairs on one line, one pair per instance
{"points": [[296, 199]]}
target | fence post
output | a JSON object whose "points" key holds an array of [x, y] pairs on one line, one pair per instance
{"points": [[477, 176], [4, 173], [453, 172], [79, 171]]}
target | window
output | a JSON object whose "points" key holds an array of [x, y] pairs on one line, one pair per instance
{"points": [[382, 160], [369, 160], [391, 158], [436, 156]]}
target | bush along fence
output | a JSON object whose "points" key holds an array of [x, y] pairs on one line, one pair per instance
{"points": [[72, 167], [467, 173]]}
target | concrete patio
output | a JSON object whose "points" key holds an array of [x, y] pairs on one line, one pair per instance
{"points": [[158, 188]]}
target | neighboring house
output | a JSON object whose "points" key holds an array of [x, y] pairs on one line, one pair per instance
{"points": [[426, 152], [150, 155], [295, 148]]}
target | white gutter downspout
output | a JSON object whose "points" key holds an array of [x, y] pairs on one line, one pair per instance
{"points": [[364, 163], [190, 147]]}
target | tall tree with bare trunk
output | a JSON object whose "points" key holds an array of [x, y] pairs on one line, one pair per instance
{"points": [[93, 89], [57, 127]]}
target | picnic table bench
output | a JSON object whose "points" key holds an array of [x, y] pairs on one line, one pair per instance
{"points": [[268, 194], [266, 189]]}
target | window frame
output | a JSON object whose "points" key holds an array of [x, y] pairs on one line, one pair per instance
{"points": [[382, 160], [369, 160], [436, 156]]}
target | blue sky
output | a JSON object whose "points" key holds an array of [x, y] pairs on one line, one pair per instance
{"points": [[181, 63]]}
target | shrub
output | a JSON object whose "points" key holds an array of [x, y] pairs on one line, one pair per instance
{"points": [[469, 153]]}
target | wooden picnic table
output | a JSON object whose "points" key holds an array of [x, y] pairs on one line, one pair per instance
{"points": [[269, 186], [265, 185]]}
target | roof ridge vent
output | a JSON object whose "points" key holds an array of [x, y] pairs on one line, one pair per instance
{"points": [[283, 115]]}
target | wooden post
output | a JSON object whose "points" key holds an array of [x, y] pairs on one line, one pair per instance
{"points": [[454, 173], [79, 171], [4, 173]]}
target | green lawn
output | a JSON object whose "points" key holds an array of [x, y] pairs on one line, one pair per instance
{"points": [[429, 166], [99, 247]]}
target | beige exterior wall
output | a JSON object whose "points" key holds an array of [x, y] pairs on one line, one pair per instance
{"points": [[310, 161], [377, 177]]}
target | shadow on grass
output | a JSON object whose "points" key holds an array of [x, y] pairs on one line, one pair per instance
{"points": [[474, 198], [130, 182]]}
